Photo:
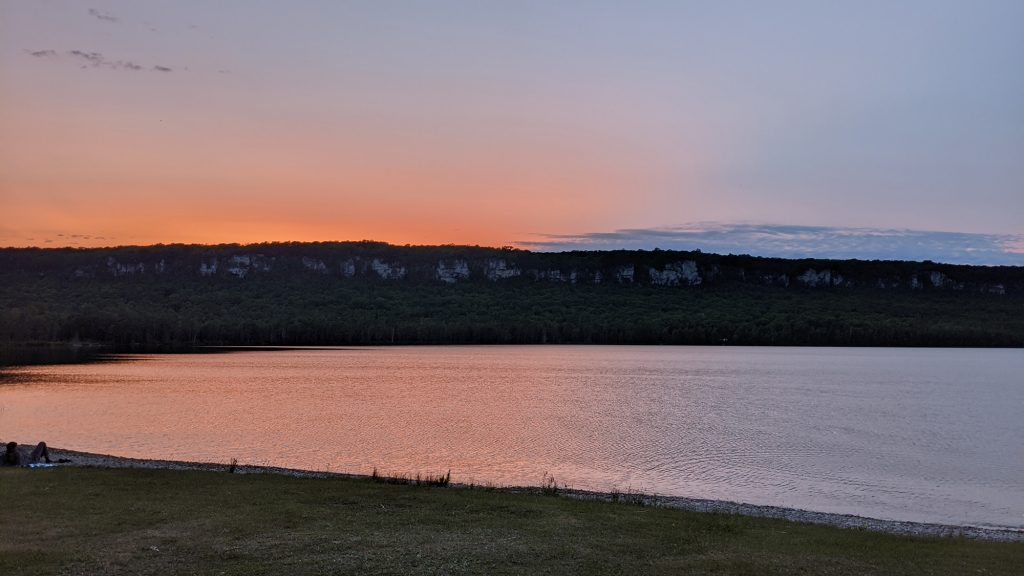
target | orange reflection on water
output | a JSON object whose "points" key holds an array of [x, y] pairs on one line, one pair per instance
{"points": [[876, 432]]}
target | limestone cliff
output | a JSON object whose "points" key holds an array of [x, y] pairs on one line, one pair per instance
{"points": [[371, 261]]}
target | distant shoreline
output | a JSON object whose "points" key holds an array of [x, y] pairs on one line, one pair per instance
{"points": [[845, 521], [367, 293], [21, 354]]}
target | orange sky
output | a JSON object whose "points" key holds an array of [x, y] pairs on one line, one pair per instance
{"points": [[153, 181], [214, 173], [105, 156], [498, 123]]}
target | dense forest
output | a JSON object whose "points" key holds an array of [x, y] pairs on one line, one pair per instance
{"points": [[363, 293]]}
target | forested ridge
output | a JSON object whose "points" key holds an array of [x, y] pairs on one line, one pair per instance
{"points": [[176, 296]]}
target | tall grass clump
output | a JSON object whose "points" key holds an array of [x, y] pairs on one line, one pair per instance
{"points": [[430, 480], [548, 484], [441, 480]]}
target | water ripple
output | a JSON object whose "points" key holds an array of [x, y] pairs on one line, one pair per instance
{"points": [[906, 434]]}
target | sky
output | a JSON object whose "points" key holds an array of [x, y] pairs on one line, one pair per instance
{"points": [[869, 129]]}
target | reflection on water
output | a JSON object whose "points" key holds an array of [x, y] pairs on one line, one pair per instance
{"points": [[22, 355], [909, 434]]}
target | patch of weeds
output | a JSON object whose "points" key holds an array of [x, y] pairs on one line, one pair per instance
{"points": [[633, 497], [548, 484], [441, 480]]}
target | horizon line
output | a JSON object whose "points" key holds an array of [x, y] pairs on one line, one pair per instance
{"points": [[508, 248]]}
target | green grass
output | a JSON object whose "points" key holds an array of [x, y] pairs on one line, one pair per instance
{"points": [[129, 521]]}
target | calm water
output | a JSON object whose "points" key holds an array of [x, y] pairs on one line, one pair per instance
{"points": [[909, 434]]}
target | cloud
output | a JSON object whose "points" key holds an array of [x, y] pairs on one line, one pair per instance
{"points": [[801, 242], [58, 240], [15, 238], [95, 57], [105, 16], [98, 60], [82, 236]]}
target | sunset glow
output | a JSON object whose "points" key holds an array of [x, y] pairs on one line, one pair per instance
{"points": [[502, 124]]}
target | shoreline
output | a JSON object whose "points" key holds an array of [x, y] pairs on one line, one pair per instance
{"points": [[845, 521]]}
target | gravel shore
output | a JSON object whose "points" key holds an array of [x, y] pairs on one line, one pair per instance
{"points": [[694, 504]]}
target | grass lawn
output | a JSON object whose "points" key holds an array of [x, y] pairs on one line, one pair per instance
{"points": [[133, 521]]}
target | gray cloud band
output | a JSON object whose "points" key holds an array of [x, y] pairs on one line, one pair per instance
{"points": [[802, 242]]}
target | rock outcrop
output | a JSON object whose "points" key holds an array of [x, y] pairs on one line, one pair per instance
{"points": [[368, 261]]}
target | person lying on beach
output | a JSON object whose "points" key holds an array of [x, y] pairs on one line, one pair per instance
{"points": [[18, 456]]}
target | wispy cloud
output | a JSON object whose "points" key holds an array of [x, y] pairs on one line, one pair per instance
{"points": [[801, 242], [94, 57], [105, 16], [97, 60], [11, 237], [58, 239]]}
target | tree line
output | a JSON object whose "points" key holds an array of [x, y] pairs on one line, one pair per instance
{"points": [[171, 313]]}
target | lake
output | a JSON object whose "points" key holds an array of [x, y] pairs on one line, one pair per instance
{"points": [[928, 435]]}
